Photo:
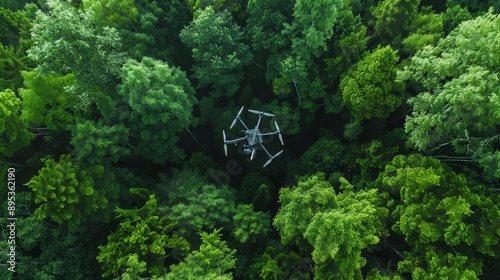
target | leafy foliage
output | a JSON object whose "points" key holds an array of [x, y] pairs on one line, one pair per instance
{"points": [[434, 206], [47, 101], [249, 225], [65, 41], [194, 205], [13, 134], [98, 142], [371, 88], [213, 260], [66, 192], [138, 247], [218, 50], [161, 101], [457, 84], [348, 222]]}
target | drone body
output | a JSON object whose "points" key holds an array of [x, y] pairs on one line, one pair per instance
{"points": [[253, 137]]}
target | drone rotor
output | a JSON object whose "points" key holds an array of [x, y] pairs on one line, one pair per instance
{"points": [[225, 146], [253, 154], [272, 157], [263, 113], [235, 119], [279, 133]]}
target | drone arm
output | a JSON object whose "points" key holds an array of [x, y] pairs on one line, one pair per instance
{"points": [[234, 141], [241, 121], [265, 150], [270, 133]]}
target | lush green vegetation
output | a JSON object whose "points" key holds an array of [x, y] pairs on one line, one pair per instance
{"points": [[111, 113]]}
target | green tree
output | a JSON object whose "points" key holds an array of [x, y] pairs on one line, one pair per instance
{"points": [[297, 73], [248, 224], [213, 260], [393, 19], [426, 29], [47, 103], [13, 134], [161, 102], [371, 87], [195, 205], [457, 87], [453, 16], [66, 41], [451, 223], [219, 52], [66, 192], [146, 28], [14, 41], [139, 246], [265, 19], [338, 227], [97, 142], [475, 7]]}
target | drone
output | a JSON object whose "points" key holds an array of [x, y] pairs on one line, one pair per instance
{"points": [[253, 137]]}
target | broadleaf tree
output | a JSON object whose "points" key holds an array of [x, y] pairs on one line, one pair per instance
{"points": [[161, 101]]}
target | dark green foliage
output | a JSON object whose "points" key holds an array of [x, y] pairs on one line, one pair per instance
{"points": [[453, 16], [218, 50], [475, 6], [195, 205], [393, 19], [101, 121], [250, 225], [96, 143]]}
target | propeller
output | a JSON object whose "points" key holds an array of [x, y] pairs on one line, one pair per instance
{"points": [[253, 154], [272, 157], [279, 132], [237, 117], [263, 113], [225, 146]]}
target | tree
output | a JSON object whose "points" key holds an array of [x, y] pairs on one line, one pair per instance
{"points": [[449, 221], [14, 41], [13, 134], [338, 227], [393, 19], [218, 50], [475, 7], [97, 143], [194, 205], [426, 29], [457, 86], [47, 103], [68, 192], [308, 33], [66, 41], [213, 260], [139, 246], [248, 224], [371, 88], [146, 28], [161, 102]]}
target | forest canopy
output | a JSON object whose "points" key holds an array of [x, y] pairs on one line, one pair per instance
{"points": [[111, 142]]}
